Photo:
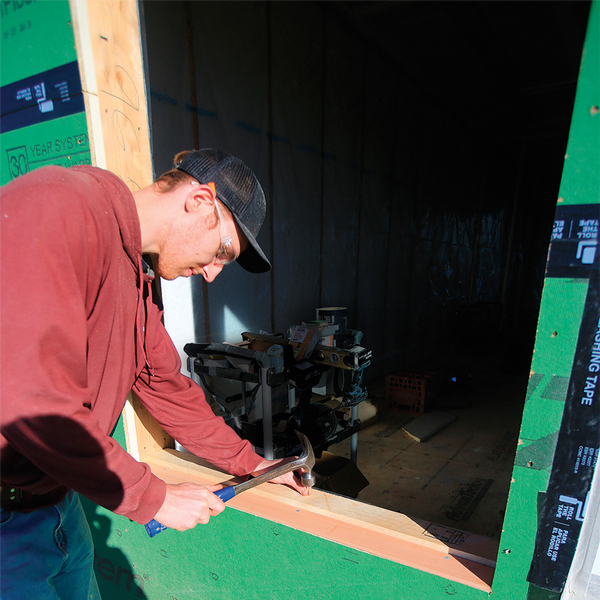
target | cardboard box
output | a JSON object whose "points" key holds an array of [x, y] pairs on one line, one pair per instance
{"points": [[339, 475]]}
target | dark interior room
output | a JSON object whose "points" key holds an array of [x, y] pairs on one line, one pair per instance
{"points": [[411, 153]]}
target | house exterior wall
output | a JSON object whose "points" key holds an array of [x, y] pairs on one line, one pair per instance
{"points": [[240, 556]]}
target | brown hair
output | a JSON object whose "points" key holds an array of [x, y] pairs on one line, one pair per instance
{"points": [[171, 179]]}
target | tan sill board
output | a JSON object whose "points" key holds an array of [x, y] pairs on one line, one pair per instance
{"points": [[364, 527]]}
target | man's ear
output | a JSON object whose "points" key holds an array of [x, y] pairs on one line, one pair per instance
{"points": [[201, 196]]}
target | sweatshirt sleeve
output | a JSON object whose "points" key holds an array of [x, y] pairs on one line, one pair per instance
{"points": [[180, 406], [50, 436]]}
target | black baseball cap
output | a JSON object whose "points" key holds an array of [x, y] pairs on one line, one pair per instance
{"points": [[239, 190]]}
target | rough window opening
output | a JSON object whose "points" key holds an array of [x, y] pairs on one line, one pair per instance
{"points": [[425, 205], [458, 556]]}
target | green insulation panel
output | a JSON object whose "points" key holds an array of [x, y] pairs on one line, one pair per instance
{"points": [[43, 117], [238, 556], [539, 538]]}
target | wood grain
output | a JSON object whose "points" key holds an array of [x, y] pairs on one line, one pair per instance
{"points": [[112, 73], [364, 527]]}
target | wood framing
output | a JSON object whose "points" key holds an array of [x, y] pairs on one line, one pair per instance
{"points": [[111, 67], [422, 559], [109, 50], [450, 553], [393, 536]]}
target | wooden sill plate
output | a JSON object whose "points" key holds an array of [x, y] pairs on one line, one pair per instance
{"points": [[453, 554]]}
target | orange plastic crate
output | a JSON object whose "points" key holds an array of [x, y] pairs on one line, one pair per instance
{"points": [[406, 393]]}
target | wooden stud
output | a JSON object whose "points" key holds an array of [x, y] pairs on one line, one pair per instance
{"points": [[112, 77], [109, 51]]}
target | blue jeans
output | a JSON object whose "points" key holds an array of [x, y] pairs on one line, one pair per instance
{"points": [[47, 554]]}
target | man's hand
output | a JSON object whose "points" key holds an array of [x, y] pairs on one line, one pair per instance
{"points": [[187, 505], [289, 479]]}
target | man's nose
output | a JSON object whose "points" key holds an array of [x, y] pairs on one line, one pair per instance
{"points": [[210, 272]]}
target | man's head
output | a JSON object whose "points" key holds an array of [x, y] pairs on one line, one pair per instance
{"points": [[229, 202], [238, 189]]}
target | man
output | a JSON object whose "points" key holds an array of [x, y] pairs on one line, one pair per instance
{"points": [[79, 330]]}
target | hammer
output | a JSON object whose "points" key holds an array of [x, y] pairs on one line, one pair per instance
{"points": [[306, 460]]}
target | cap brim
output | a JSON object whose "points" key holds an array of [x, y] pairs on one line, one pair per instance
{"points": [[252, 259]]}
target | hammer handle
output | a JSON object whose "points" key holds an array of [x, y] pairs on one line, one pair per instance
{"points": [[154, 527], [227, 493]]}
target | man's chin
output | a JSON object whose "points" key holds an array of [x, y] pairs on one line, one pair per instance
{"points": [[167, 274]]}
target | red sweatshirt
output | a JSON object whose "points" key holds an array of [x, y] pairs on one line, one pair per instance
{"points": [[78, 331]]}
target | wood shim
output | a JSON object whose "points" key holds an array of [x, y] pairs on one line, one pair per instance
{"points": [[422, 428], [143, 434], [364, 527]]}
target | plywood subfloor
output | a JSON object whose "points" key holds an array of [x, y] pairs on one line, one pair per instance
{"points": [[460, 477]]}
